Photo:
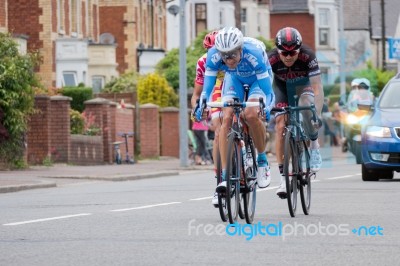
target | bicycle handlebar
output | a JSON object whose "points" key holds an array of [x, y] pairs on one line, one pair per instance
{"points": [[290, 109], [233, 104]]}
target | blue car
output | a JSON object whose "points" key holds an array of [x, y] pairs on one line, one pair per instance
{"points": [[381, 135]]}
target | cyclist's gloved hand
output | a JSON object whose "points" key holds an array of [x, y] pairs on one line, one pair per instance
{"points": [[198, 114], [267, 112]]}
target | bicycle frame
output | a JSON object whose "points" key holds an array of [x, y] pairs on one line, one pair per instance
{"points": [[238, 182], [296, 150]]}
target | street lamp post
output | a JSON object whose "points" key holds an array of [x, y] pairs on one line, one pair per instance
{"points": [[183, 112]]}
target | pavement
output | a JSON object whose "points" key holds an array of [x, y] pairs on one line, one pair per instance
{"points": [[60, 174]]}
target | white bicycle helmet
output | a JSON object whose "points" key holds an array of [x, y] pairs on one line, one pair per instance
{"points": [[228, 39]]}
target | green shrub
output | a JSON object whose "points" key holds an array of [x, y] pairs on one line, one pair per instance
{"points": [[79, 95], [17, 80], [153, 88], [125, 83], [77, 122]]}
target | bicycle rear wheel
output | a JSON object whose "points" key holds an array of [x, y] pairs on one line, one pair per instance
{"points": [[305, 181], [290, 170], [250, 191], [223, 212], [233, 178]]}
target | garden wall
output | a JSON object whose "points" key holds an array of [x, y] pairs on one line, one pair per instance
{"points": [[49, 135]]}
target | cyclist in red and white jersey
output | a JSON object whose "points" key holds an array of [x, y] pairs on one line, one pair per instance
{"points": [[216, 118], [295, 66]]}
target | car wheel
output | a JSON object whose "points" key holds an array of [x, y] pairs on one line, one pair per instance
{"points": [[387, 174], [369, 174]]}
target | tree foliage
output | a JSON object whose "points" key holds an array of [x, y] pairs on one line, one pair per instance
{"points": [[127, 82], [17, 80], [376, 76], [154, 88]]}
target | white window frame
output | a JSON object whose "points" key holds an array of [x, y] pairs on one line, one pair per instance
{"points": [[60, 17], [95, 79], [324, 28], [74, 76]]}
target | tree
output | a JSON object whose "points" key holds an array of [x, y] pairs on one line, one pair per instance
{"points": [[127, 82], [377, 77], [154, 88], [17, 83]]}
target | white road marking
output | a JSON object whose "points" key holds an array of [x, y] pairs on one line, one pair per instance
{"points": [[145, 207], [154, 205], [49, 219], [340, 177], [203, 198]]}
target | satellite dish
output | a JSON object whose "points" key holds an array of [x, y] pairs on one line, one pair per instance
{"points": [[174, 10], [107, 38]]}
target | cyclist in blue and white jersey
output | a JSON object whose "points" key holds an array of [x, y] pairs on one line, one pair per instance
{"points": [[244, 61]]}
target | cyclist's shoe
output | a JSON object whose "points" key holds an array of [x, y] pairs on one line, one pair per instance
{"points": [[315, 160], [214, 200], [221, 188], [281, 191], [263, 176]]}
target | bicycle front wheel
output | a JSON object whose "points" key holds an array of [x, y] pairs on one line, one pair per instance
{"points": [[250, 191], [305, 173], [290, 170], [221, 196], [233, 178]]}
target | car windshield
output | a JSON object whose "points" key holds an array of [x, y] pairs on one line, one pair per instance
{"points": [[391, 95], [359, 96]]}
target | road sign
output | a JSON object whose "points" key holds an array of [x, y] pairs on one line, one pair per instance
{"points": [[394, 48]]}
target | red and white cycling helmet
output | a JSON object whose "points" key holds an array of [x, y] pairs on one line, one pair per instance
{"points": [[288, 39], [209, 39]]}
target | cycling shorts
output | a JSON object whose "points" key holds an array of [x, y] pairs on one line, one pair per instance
{"points": [[281, 95]]}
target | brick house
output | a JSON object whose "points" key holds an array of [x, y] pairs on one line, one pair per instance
{"points": [[66, 31]]}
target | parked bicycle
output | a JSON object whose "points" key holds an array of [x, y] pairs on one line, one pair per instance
{"points": [[241, 169], [296, 165]]}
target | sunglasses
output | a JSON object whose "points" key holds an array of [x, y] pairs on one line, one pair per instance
{"points": [[286, 53], [229, 55]]}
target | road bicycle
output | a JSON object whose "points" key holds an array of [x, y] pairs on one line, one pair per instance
{"points": [[296, 164], [241, 176]]}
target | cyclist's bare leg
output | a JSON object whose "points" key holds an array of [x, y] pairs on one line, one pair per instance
{"points": [[279, 127], [310, 128], [257, 128], [217, 123], [223, 135]]}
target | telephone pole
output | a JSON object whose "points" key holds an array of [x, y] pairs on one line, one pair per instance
{"points": [[383, 35]]}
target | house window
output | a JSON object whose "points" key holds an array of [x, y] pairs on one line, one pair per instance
{"points": [[200, 17], [60, 17], [75, 17], [323, 28], [69, 78], [243, 19], [243, 15], [97, 83]]}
